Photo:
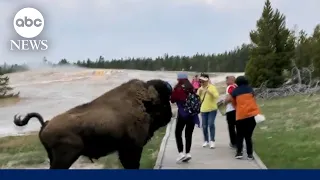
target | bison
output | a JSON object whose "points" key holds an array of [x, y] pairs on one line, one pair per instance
{"points": [[121, 120]]}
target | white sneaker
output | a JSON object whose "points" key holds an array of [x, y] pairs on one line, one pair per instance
{"points": [[187, 158], [212, 145], [181, 157], [205, 144]]}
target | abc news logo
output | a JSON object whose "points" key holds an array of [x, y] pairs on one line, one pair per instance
{"points": [[28, 23]]}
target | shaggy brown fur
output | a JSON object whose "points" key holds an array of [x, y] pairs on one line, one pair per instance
{"points": [[122, 120]]}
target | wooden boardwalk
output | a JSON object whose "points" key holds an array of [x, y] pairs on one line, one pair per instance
{"points": [[222, 157]]}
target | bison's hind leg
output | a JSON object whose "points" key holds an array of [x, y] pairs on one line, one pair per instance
{"points": [[49, 152], [64, 155], [130, 157]]}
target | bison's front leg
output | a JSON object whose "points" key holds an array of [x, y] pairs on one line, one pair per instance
{"points": [[130, 157]]}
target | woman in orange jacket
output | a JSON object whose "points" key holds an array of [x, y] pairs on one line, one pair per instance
{"points": [[246, 107]]}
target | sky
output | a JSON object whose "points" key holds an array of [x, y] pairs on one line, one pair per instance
{"points": [[81, 29]]}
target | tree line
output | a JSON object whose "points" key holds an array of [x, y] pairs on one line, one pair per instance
{"points": [[5, 68], [232, 61]]}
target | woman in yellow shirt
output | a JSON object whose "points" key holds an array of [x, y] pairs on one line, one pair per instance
{"points": [[209, 96]]}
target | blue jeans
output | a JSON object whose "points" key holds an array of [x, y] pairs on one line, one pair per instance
{"points": [[208, 119]]}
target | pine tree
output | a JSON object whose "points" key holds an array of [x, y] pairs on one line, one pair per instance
{"points": [[315, 49], [272, 50], [4, 86], [303, 50]]}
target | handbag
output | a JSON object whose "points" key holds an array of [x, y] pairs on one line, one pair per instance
{"points": [[222, 107], [259, 118]]}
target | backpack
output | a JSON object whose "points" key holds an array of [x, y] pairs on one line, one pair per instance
{"points": [[192, 104]]}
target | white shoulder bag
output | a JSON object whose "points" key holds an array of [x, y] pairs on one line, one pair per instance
{"points": [[259, 118]]}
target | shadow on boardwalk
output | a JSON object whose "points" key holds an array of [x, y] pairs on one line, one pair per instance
{"points": [[222, 157]]}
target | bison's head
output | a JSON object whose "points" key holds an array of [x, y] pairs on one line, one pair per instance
{"points": [[159, 108]]}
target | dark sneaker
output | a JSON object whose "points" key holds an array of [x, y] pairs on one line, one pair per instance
{"points": [[233, 146], [250, 157], [239, 156]]}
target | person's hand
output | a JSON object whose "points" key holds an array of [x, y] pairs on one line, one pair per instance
{"points": [[200, 90], [228, 99], [222, 102], [204, 91], [175, 86]]}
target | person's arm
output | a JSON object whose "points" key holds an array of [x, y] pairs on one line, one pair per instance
{"points": [[252, 91], [212, 90], [199, 91], [233, 98], [229, 97], [174, 96], [234, 102], [177, 95]]}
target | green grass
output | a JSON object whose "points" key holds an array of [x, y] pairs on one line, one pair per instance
{"points": [[290, 136], [28, 152]]}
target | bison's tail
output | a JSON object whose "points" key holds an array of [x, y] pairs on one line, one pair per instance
{"points": [[22, 122]]}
